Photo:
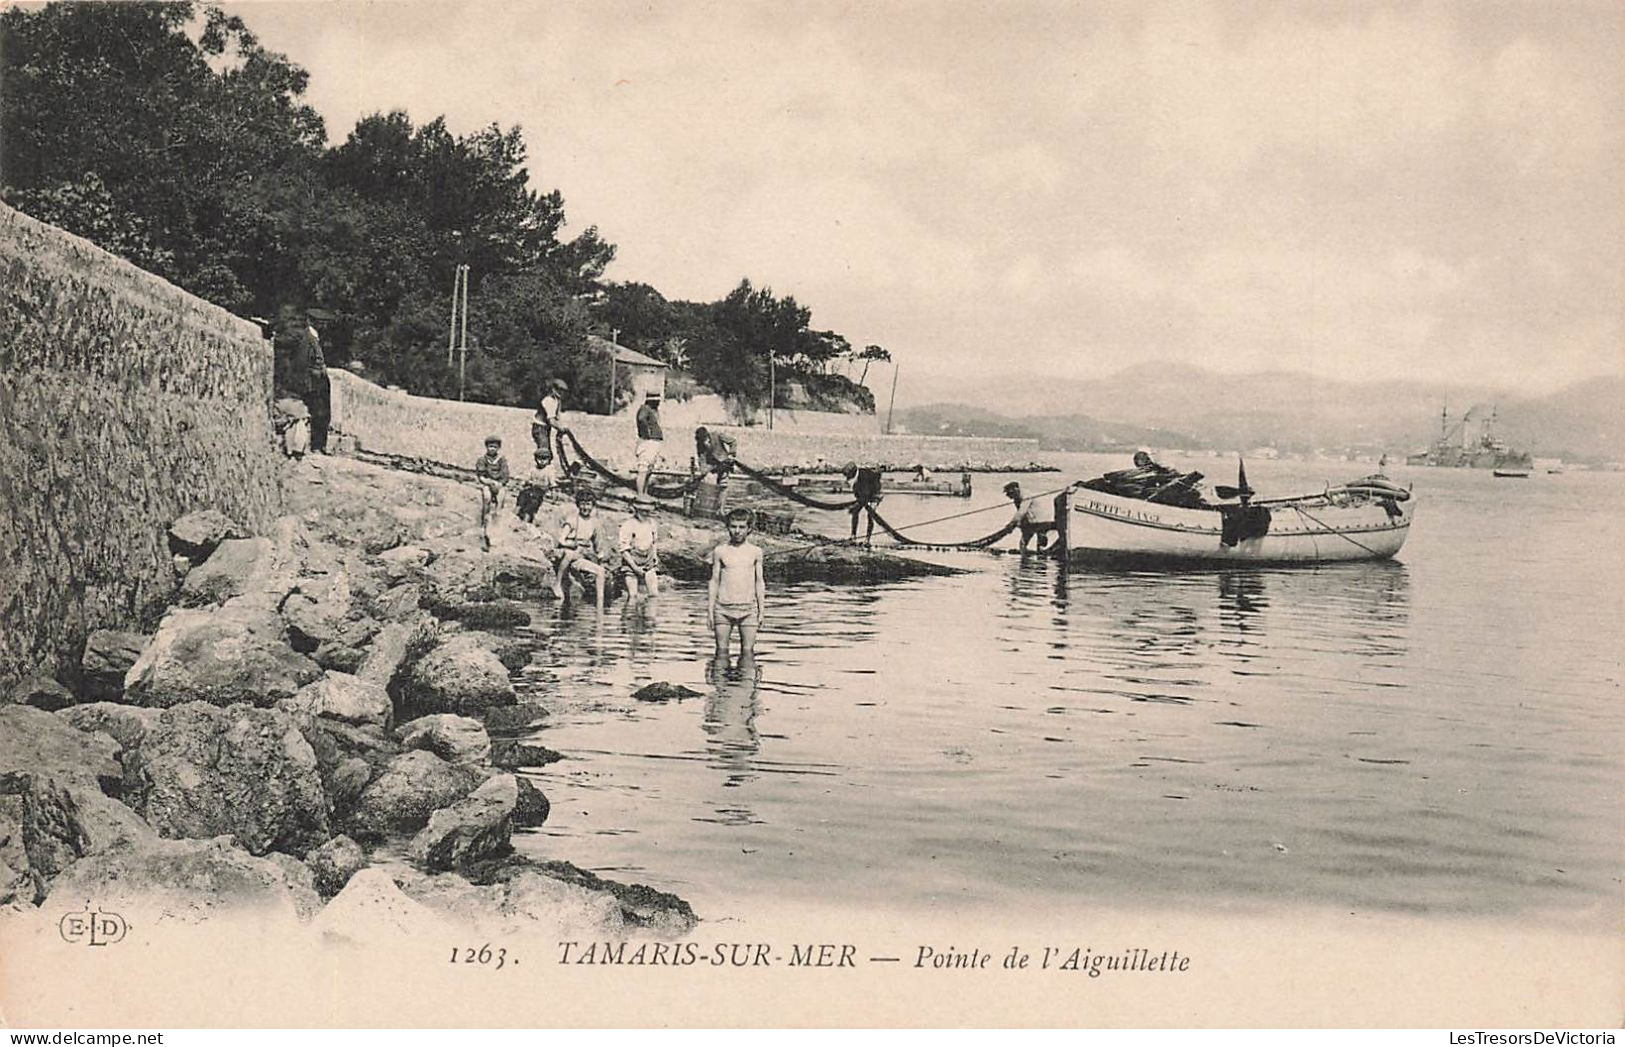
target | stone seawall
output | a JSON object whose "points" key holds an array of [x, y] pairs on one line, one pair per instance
{"points": [[124, 403], [448, 431]]}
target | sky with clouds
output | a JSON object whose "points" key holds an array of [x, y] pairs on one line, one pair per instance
{"points": [[1361, 190]]}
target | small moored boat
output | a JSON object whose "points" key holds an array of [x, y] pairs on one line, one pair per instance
{"points": [[1511, 474], [956, 488], [1367, 519]]}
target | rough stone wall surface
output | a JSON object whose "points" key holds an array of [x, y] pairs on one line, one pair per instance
{"points": [[124, 403], [394, 422]]}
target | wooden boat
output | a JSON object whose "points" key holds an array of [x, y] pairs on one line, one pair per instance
{"points": [[1511, 474], [1365, 520], [956, 488]]}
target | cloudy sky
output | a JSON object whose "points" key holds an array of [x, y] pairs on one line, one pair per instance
{"points": [[1360, 190]]}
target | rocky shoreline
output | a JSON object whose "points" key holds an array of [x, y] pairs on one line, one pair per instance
{"points": [[323, 724]]}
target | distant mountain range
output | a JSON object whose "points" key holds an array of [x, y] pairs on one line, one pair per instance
{"points": [[1168, 406]]}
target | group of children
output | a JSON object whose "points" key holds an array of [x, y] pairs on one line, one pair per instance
{"points": [[590, 552], [587, 549]]}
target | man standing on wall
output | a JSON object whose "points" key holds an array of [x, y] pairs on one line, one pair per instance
{"points": [[650, 439]]}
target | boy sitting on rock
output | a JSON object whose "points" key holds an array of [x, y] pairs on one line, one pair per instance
{"points": [[491, 469], [583, 541]]}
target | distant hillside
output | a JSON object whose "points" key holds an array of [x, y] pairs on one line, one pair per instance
{"points": [[1183, 406], [1073, 432]]}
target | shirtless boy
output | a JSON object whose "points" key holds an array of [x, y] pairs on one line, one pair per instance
{"points": [[737, 589], [581, 546]]}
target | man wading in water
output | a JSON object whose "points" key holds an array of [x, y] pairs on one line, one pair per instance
{"points": [[865, 483], [1034, 516], [737, 591]]}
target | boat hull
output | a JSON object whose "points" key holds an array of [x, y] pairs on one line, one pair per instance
{"points": [[1104, 529]]}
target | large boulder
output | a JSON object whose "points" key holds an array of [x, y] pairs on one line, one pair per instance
{"points": [[526, 903], [511, 755], [42, 691], [349, 699], [514, 719], [462, 676], [311, 624], [327, 623], [348, 757], [403, 561], [641, 907], [239, 566], [367, 742], [533, 806], [393, 647], [64, 819], [17, 890], [204, 771], [411, 788], [515, 895], [372, 912], [266, 571], [126, 724], [188, 881], [397, 603], [478, 614], [235, 654], [340, 658], [35, 741], [109, 654], [453, 738], [196, 535], [334, 862], [320, 608], [476, 827]]}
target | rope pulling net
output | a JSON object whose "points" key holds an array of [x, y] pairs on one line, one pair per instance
{"points": [[788, 491]]}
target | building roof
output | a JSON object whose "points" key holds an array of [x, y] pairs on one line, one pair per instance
{"points": [[623, 355]]}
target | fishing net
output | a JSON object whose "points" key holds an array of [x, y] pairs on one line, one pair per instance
{"points": [[791, 493], [663, 491]]}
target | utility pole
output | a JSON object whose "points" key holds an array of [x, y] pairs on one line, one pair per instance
{"points": [[451, 333], [772, 387], [893, 403], [462, 364]]}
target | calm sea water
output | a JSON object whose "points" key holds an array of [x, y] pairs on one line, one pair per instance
{"points": [[1438, 734]]}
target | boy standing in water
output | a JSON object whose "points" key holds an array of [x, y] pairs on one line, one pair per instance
{"points": [[738, 590]]}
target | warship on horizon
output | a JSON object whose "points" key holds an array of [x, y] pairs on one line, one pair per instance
{"points": [[1455, 450]]}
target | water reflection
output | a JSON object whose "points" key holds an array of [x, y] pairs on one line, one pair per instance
{"points": [[641, 625], [1160, 636], [730, 718], [1242, 599]]}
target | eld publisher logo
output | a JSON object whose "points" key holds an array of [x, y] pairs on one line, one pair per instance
{"points": [[92, 928]]}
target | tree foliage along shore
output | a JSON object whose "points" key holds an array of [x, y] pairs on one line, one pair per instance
{"points": [[167, 134]]}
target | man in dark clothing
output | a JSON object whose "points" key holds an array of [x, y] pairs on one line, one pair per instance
{"points": [[650, 439], [300, 369], [866, 493], [320, 397], [716, 452]]}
